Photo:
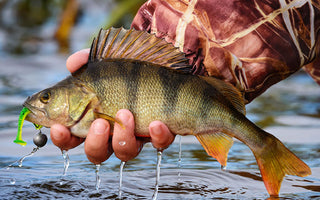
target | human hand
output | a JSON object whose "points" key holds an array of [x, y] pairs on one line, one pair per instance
{"points": [[98, 146]]}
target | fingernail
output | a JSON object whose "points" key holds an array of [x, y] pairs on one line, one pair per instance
{"points": [[58, 134], [85, 50], [124, 117], [157, 130], [99, 128]]}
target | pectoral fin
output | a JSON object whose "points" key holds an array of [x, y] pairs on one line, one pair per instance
{"points": [[216, 145], [109, 118], [81, 100]]}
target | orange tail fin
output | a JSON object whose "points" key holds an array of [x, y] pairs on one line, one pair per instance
{"points": [[276, 161], [216, 145]]}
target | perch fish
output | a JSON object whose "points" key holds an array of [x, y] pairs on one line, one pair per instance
{"points": [[129, 69]]}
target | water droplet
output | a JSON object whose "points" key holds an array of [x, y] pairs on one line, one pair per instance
{"points": [[66, 162], [224, 168], [98, 180], [122, 143], [156, 188], [179, 160], [12, 181], [120, 179], [28, 155]]}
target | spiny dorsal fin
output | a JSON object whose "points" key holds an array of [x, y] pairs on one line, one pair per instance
{"points": [[119, 43], [233, 95]]}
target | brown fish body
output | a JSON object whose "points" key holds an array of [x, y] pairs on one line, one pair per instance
{"points": [[119, 76]]}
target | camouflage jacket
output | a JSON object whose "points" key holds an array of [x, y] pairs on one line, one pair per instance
{"points": [[252, 44]]}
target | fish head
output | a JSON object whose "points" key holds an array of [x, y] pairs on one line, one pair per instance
{"points": [[65, 103], [48, 107]]}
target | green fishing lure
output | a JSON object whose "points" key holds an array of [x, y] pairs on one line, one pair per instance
{"points": [[24, 112]]}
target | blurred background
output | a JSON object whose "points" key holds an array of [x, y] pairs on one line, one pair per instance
{"points": [[37, 36], [44, 27]]}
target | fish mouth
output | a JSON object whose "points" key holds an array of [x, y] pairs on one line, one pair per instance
{"points": [[34, 112]]}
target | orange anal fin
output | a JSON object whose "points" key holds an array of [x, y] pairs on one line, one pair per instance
{"points": [[275, 161], [216, 145]]}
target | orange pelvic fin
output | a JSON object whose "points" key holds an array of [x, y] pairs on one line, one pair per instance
{"points": [[276, 161], [216, 145]]}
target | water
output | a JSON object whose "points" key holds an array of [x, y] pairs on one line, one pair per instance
{"points": [[122, 164], [20, 161], [156, 187], [66, 162], [201, 177], [98, 179], [289, 110], [180, 156]]}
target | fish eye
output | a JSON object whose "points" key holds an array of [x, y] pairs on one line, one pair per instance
{"points": [[45, 96]]}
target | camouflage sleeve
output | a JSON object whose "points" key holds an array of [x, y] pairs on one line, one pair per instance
{"points": [[252, 44]]}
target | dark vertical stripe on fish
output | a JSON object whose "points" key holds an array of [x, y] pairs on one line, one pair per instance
{"points": [[206, 104], [132, 82], [206, 109], [170, 87]]}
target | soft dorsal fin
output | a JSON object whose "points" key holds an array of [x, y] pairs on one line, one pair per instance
{"points": [[233, 95], [119, 43]]}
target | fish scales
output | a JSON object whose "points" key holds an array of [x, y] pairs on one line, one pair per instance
{"points": [[153, 93], [130, 76], [133, 70]]}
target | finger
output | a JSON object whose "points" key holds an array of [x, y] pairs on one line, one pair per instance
{"points": [[96, 146], [124, 142], [76, 60], [161, 137], [62, 138]]}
